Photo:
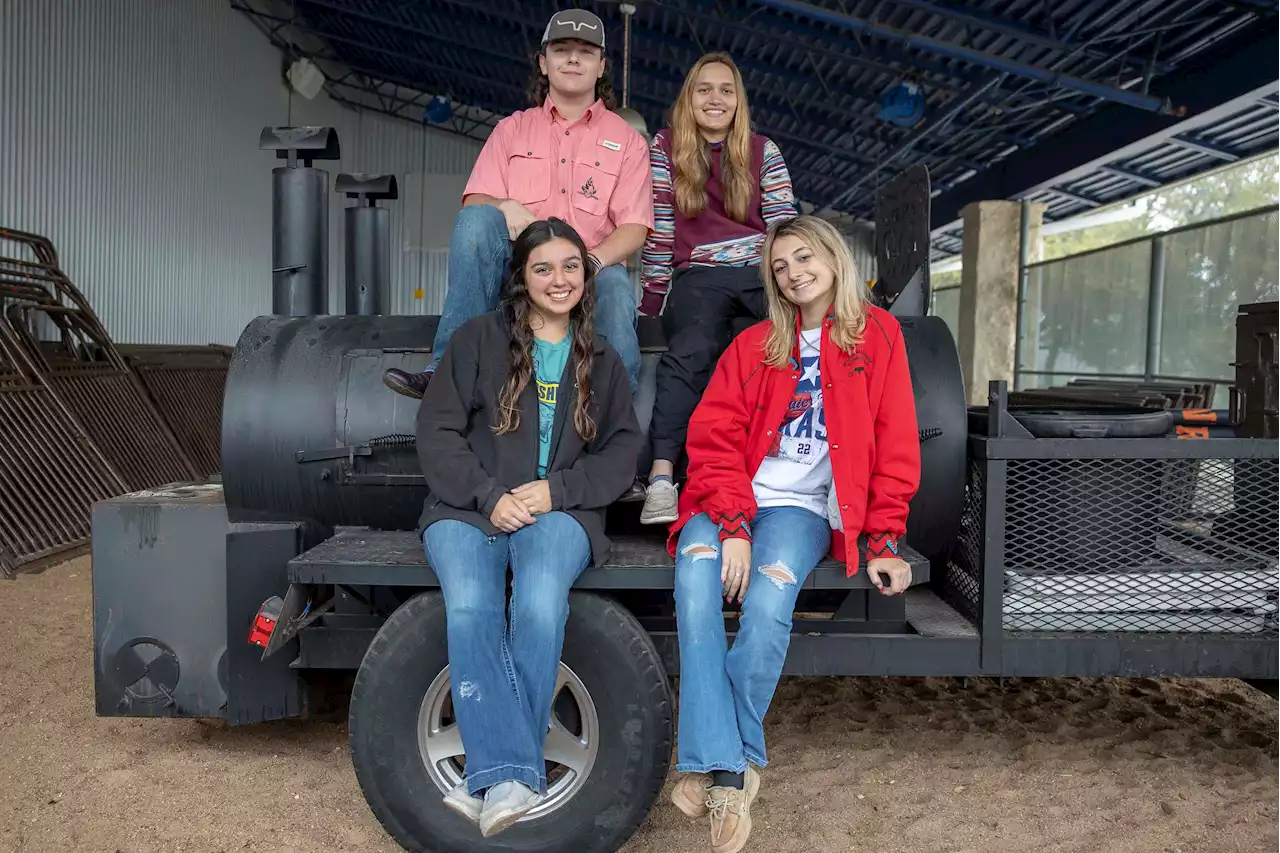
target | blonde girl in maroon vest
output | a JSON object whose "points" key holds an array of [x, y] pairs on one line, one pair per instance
{"points": [[717, 187]]}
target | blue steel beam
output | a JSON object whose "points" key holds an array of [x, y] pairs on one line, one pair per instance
{"points": [[977, 57], [1234, 68], [990, 23]]}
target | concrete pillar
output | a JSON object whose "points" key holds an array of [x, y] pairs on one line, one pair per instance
{"points": [[989, 291]]}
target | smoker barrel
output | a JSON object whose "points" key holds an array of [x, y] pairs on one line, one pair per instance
{"points": [[299, 389], [310, 432]]}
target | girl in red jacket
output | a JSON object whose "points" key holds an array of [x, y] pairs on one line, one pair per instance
{"points": [[805, 443]]}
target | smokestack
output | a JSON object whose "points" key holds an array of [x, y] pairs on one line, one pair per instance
{"points": [[300, 218], [368, 241]]}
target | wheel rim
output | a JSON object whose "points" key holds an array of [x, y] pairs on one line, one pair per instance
{"points": [[569, 754]]}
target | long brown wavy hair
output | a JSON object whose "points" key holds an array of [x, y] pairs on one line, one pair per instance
{"points": [[540, 86], [848, 303], [518, 310], [691, 154]]}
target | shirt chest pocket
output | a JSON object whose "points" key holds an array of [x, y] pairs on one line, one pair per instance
{"points": [[595, 176], [529, 175]]}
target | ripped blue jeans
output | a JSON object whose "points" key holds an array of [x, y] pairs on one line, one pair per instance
{"points": [[724, 693], [503, 676]]}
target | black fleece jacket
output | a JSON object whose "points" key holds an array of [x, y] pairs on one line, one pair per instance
{"points": [[468, 468]]}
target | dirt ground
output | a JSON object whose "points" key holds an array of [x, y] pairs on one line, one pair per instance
{"points": [[884, 765]]}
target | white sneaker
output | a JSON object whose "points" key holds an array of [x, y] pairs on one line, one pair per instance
{"points": [[504, 804], [660, 504], [462, 801]]}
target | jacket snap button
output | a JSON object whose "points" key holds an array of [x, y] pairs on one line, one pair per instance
{"points": [[770, 432], [835, 447], [844, 506]]}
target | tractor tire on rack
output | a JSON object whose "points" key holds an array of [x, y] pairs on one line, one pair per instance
{"points": [[611, 731]]}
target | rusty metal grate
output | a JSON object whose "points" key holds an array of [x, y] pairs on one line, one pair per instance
{"points": [[50, 477], [1141, 545], [186, 384], [76, 424], [104, 397]]}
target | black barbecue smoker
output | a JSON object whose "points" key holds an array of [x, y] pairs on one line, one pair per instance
{"points": [[1047, 539]]}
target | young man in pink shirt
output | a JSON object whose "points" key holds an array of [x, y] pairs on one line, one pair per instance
{"points": [[570, 157]]}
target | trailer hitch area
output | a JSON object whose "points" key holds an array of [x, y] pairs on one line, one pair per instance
{"points": [[280, 620]]}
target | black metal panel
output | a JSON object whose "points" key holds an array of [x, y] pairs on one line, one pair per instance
{"points": [[859, 654], [828, 654], [360, 557], [938, 641], [1254, 396], [159, 604], [902, 243], [1120, 654], [938, 382], [257, 560]]}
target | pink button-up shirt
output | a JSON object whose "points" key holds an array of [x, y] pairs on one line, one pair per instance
{"points": [[592, 173]]}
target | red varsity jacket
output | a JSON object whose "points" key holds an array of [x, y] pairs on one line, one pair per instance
{"points": [[870, 417]]}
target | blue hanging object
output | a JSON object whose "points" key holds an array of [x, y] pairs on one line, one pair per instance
{"points": [[438, 110], [902, 105]]}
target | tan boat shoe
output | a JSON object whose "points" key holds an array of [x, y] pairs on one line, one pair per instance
{"points": [[690, 794], [730, 811]]}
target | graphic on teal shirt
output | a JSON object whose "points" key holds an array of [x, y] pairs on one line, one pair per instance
{"points": [[548, 366]]}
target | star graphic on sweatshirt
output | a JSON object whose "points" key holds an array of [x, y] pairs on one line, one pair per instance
{"points": [[811, 374]]}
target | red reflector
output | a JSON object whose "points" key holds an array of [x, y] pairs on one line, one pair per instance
{"points": [[265, 621]]}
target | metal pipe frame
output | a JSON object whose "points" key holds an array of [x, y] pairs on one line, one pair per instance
{"points": [[1087, 87]]}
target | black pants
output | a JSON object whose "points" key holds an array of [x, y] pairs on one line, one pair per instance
{"points": [[707, 307]]}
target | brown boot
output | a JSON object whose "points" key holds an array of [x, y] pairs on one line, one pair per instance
{"points": [[690, 794], [409, 384], [730, 811]]}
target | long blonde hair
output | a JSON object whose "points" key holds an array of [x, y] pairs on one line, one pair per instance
{"points": [[691, 155], [849, 303]]}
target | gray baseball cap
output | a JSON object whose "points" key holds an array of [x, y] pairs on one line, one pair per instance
{"points": [[575, 24]]}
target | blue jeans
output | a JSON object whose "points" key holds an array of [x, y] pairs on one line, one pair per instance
{"points": [[502, 676], [479, 255], [724, 693]]}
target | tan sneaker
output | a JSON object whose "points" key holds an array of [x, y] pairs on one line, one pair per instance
{"points": [[690, 794], [730, 811]]}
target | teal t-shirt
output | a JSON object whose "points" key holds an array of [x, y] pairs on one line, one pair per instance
{"points": [[548, 366]]}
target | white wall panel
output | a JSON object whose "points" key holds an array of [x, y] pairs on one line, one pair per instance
{"points": [[128, 136]]}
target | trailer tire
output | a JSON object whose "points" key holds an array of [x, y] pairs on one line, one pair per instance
{"points": [[606, 650]]}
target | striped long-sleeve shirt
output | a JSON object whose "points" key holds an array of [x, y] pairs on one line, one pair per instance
{"points": [[711, 238]]}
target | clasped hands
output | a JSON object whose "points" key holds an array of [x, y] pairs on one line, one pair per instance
{"points": [[518, 507]]}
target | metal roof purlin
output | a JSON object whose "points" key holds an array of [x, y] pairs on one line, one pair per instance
{"points": [[977, 57]]}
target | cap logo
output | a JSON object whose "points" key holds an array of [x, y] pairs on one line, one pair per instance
{"points": [[577, 25]]}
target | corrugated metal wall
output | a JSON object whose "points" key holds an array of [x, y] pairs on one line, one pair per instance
{"points": [[128, 136]]}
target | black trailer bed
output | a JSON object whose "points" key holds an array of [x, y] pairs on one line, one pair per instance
{"points": [[358, 556]]}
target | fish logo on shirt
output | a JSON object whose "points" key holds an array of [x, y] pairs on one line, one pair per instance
{"points": [[589, 188]]}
